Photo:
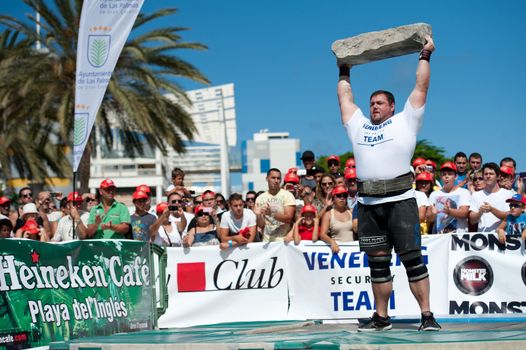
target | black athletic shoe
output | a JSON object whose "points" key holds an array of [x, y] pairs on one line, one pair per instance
{"points": [[429, 323], [376, 323]]}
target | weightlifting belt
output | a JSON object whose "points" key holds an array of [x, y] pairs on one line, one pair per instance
{"points": [[385, 188]]}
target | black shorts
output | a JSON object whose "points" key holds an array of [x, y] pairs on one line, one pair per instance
{"points": [[387, 225]]}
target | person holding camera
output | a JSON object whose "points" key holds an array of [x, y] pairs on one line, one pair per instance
{"points": [[165, 231]]}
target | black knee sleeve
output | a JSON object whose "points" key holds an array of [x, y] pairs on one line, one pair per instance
{"points": [[380, 270], [414, 265]]}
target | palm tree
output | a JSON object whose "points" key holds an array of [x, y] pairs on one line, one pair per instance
{"points": [[135, 101]]}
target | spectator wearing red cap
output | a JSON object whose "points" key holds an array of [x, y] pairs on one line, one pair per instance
{"points": [[449, 206], [515, 223], [333, 163], [506, 177], [337, 223], [424, 183], [517, 182], [141, 220], [350, 163], [351, 181], [419, 164], [306, 227], [208, 201], [488, 206], [5, 206], [275, 209], [204, 233], [238, 225], [109, 219], [165, 231], [30, 212], [146, 189], [64, 230]]}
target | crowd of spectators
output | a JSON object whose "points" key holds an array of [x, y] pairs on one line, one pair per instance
{"points": [[462, 195]]}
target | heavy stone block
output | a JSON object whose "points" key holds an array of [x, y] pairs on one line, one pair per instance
{"points": [[374, 46]]}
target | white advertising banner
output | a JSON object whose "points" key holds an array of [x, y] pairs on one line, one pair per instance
{"points": [[103, 31], [486, 276], [207, 285], [323, 285]]}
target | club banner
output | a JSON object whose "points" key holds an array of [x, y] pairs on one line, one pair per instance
{"points": [[52, 292], [486, 276], [207, 285], [323, 285], [103, 31]]}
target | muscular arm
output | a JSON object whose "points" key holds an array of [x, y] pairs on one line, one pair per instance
{"points": [[346, 98], [423, 73], [287, 216]]}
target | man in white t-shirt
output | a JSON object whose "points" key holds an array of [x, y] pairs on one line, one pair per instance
{"points": [[64, 230], [387, 209], [488, 207], [275, 209], [449, 206], [238, 225]]}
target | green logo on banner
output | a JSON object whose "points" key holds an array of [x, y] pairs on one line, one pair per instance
{"points": [[98, 49], [80, 128]]}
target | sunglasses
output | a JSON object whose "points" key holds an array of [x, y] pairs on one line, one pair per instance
{"points": [[251, 199], [516, 205], [332, 163], [26, 195], [202, 213], [327, 183], [478, 179], [90, 200], [176, 201], [341, 195], [307, 193], [198, 202]]}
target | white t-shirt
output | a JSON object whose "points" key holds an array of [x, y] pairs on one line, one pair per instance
{"points": [[235, 225], [173, 238], [275, 230], [64, 230], [421, 199], [384, 151], [489, 222], [188, 217], [455, 199]]}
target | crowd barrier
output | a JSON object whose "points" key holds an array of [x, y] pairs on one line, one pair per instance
{"points": [[51, 292]]}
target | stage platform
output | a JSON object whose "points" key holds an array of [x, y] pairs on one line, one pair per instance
{"points": [[457, 333]]}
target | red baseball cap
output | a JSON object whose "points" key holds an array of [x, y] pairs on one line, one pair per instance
{"points": [[291, 177], [333, 157], [418, 161], [4, 200], [309, 208], [338, 189], [424, 176], [433, 164], [107, 183], [198, 209], [209, 192], [74, 197], [350, 163], [144, 188], [140, 195], [161, 207], [293, 170], [507, 170], [350, 173], [517, 198], [31, 226], [449, 165]]}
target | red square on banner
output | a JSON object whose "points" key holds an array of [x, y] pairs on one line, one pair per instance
{"points": [[191, 277]]}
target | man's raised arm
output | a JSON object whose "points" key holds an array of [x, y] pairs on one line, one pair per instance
{"points": [[423, 73], [345, 96]]}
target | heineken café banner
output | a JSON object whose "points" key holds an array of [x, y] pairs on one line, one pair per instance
{"points": [[53, 292]]}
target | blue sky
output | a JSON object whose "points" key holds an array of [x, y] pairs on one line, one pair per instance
{"points": [[277, 53]]}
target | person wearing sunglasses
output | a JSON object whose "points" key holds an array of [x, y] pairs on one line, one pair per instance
{"points": [[336, 223], [250, 200], [333, 163], [204, 233], [165, 231], [25, 195], [323, 200], [515, 222], [386, 192]]}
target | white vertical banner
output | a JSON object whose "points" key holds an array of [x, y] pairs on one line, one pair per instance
{"points": [[103, 31], [323, 285]]}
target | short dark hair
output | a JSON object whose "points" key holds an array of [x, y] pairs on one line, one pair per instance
{"points": [[475, 155], [6, 222], [492, 166], [63, 202], [460, 155], [508, 159], [24, 189], [251, 192], [235, 197], [273, 169], [390, 96], [177, 172]]}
